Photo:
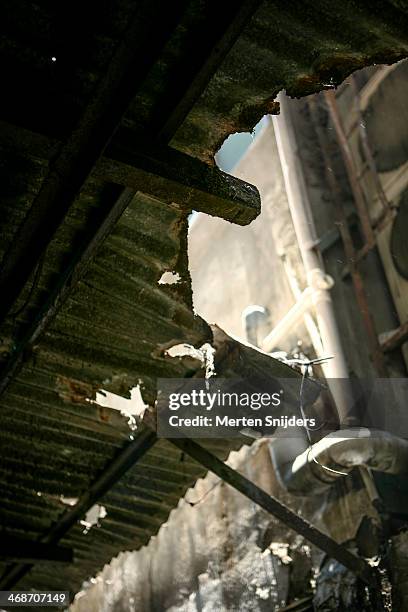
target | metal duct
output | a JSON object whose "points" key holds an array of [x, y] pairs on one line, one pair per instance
{"points": [[305, 470]]}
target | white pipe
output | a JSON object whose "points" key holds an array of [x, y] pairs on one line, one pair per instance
{"points": [[306, 236], [307, 317], [334, 456], [291, 318], [305, 302]]}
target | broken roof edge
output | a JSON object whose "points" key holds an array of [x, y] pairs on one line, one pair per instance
{"points": [[299, 48], [306, 85]]}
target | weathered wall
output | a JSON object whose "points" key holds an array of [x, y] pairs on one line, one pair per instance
{"points": [[216, 555], [234, 267]]}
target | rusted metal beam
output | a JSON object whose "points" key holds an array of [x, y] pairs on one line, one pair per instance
{"points": [[154, 169], [134, 57], [172, 176], [126, 458], [362, 253], [24, 551], [396, 339], [368, 154], [379, 225], [349, 249], [272, 505], [347, 155]]}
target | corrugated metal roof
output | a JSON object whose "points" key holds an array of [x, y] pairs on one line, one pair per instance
{"points": [[111, 333], [108, 334], [112, 330], [302, 47], [136, 506]]}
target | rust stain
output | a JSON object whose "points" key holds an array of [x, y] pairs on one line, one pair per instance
{"points": [[252, 114], [74, 391], [333, 70], [103, 414]]}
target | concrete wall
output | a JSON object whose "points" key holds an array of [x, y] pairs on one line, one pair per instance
{"points": [[234, 267], [224, 554]]}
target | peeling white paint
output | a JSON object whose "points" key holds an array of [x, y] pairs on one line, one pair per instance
{"points": [[263, 592], [281, 550], [169, 278], [95, 514], [69, 501], [204, 354]]}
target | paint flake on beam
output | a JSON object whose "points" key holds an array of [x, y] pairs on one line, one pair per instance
{"points": [[204, 354]]}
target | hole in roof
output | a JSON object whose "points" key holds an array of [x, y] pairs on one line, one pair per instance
{"points": [[236, 145], [231, 152], [169, 278], [132, 408], [93, 517]]}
